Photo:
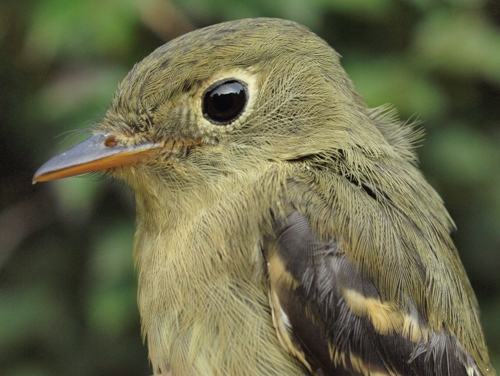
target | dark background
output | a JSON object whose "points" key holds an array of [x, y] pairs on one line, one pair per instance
{"points": [[67, 285]]}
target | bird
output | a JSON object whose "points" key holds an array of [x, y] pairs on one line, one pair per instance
{"points": [[283, 226]]}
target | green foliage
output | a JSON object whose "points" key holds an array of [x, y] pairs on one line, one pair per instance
{"points": [[67, 287]]}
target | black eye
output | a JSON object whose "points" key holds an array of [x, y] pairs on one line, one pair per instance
{"points": [[224, 101]]}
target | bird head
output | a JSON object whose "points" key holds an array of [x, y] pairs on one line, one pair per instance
{"points": [[222, 100]]}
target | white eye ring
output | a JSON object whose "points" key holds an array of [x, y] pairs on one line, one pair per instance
{"points": [[241, 86]]}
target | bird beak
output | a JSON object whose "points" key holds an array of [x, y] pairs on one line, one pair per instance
{"points": [[99, 152]]}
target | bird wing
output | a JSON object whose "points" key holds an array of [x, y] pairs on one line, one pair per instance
{"points": [[332, 318]]}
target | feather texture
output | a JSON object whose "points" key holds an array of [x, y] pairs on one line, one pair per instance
{"points": [[335, 316]]}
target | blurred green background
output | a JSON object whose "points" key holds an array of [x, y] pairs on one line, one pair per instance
{"points": [[67, 285]]}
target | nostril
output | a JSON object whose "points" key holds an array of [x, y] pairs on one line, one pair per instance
{"points": [[111, 142]]}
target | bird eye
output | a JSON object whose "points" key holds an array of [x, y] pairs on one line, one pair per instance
{"points": [[223, 102]]}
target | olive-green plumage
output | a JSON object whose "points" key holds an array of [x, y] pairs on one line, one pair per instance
{"points": [[283, 227]]}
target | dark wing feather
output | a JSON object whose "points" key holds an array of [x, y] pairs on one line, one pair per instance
{"points": [[332, 317]]}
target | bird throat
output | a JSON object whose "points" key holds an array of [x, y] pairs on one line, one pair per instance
{"points": [[205, 292]]}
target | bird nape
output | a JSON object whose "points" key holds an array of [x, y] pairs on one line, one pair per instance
{"points": [[283, 227]]}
